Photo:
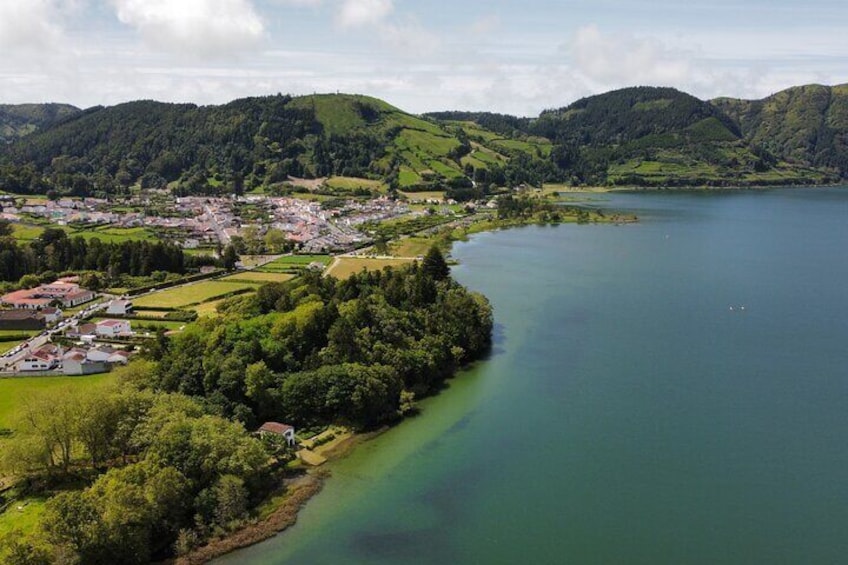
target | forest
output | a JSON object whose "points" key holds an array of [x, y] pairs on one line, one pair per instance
{"points": [[55, 252], [164, 460]]}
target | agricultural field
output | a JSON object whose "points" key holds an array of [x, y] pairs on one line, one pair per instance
{"points": [[150, 313], [195, 293], [106, 234], [288, 263], [344, 267], [258, 277], [13, 390], [207, 308], [408, 177], [351, 183], [424, 196], [411, 247]]}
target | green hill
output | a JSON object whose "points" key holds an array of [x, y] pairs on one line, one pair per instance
{"points": [[259, 142], [648, 136], [807, 125], [22, 119], [641, 136]]}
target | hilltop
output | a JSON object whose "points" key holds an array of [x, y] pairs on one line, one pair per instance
{"points": [[640, 136], [803, 124]]}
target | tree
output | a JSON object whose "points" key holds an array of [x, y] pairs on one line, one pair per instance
{"points": [[230, 257], [434, 264]]}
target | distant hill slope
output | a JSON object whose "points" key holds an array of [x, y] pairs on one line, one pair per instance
{"points": [[640, 136], [803, 124], [649, 136], [252, 142], [22, 119]]}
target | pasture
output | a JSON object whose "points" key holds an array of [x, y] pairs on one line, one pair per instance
{"points": [[344, 267], [258, 277], [14, 390], [194, 293]]}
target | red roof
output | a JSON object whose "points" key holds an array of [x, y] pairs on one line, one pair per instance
{"points": [[275, 428]]}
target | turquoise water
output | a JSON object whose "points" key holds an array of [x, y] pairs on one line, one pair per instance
{"points": [[627, 413]]}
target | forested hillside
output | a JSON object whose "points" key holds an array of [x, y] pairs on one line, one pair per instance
{"points": [[804, 124], [250, 143], [22, 119], [642, 136]]}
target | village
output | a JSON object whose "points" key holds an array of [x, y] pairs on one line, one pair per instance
{"points": [[76, 344], [211, 222]]}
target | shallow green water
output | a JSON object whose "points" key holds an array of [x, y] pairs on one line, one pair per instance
{"points": [[627, 414]]}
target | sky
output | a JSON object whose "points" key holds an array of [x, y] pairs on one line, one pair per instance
{"points": [[509, 56]]}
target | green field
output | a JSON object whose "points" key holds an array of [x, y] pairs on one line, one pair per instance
{"points": [[106, 234], [352, 183], [12, 390], [22, 515], [207, 308], [258, 277], [411, 246], [408, 177], [344, 267], [289, 263], [186, 295]]}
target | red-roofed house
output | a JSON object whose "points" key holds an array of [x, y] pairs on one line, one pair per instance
{"points": [[276, 428], [66, 293]]}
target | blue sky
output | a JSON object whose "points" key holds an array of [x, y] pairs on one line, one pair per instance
{"points": [[499, 55]]}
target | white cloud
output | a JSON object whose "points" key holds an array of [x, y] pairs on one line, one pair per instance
{"points": [[194, 27], [361, 13], [29, 25], [622, 59]]}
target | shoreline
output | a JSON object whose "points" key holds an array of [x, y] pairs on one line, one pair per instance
{"points": [[298, 493]]}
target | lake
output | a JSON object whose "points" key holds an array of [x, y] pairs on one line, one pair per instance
{"points": [[674, 391]]}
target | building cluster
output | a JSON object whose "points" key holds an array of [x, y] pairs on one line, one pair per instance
{"points": [[61, 292], [206, 221], [78, 360]]}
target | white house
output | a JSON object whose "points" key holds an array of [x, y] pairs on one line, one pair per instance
{"points": [[51, 315], [278, 429], [39, 361], [113, 328], [119, 307]]}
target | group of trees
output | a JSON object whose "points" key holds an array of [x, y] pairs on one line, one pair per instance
{"points": [[166, 452], [173, 473], [54, 251], [318, 350]]}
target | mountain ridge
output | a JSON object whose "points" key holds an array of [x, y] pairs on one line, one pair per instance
{"points": [[636, 136]]}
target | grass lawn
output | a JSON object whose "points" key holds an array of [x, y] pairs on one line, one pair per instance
{"points": [[150, 313], [24, 520], [353, 183], [289, 262], [195, 293], [110, 234], [200, 252], [16, 333], [207, 308], [26, 232], [411, 246], [258, 277], [13, 389], [347, 266], [8, 345]]}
